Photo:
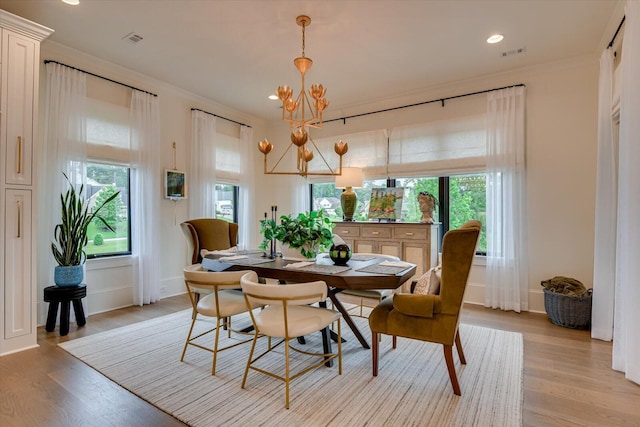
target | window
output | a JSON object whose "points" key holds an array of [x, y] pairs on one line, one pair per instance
{"points": [[461, 198], [102, 181], [227, 202]]}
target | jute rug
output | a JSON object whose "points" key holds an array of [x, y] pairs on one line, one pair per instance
{"points": [[412, 387]]}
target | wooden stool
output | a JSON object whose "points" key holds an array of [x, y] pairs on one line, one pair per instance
{"points": [[64, 295]]}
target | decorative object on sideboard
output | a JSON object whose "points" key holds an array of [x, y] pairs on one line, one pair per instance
{"points": [[294, 111], [351, 178], [427, 203], [71, 234], [309, 232]]}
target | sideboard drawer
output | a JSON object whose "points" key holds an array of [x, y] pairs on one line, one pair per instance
{"points": [[347, 231], [377, 232], [410, 233]]}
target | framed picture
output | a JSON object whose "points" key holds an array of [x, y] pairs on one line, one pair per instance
{"points": [[175, 184], [386, 203]]}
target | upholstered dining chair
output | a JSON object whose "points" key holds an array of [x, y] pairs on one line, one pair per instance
{"points": [[433, 318], [361, 297], [209, 233], [224, 301], [288, 315]]}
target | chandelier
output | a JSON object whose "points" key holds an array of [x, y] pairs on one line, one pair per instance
{"points": [[302, 113]]}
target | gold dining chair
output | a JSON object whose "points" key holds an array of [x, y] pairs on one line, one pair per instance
{"points": [[288, 315], [429, 317], [224, 300]]}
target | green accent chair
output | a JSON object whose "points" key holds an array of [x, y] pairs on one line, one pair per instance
{"points": [[433, 318]]}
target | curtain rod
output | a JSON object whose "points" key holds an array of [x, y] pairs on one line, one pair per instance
{"points": [[617, 31], [46, 61], [220, 117], [441, 100]]}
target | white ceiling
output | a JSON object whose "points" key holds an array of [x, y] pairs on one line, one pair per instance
{"points": [[236, 52]]}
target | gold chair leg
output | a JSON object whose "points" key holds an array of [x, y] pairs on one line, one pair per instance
{"points": [[448, 356], [253, 347], [186, 343], [215, 347], [459, 348], [286, 363], [339, 349]]}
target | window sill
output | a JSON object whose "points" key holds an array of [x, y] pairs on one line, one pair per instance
{"points": [[111, 262]]}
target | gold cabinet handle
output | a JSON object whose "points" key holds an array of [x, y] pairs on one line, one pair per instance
{"points": [[408, 234], [19, 169], [19, 203], [375, 233], [345, 231]]}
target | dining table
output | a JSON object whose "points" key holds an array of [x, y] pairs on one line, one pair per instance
{"points": [[361, 272]]}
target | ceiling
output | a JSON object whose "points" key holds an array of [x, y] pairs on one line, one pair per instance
{"points": [[237, 52]]}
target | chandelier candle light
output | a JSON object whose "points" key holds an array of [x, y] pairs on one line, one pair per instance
{"points": [[295, 112]]}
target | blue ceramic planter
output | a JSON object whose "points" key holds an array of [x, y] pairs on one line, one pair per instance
{"points": [[68, 275]]}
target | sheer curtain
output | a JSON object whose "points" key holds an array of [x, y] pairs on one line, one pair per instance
{"points": [[626, 339], [604, 256], [202, 188], [64, 151], [507, 275], [246, 203], [145, 203]]}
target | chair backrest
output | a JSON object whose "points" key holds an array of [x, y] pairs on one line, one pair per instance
{"points": [[293, 294], [194, 275], [458, 250], [209, 233]]}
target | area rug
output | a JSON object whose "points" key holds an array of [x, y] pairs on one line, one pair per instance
{"points": [[412, 387]]}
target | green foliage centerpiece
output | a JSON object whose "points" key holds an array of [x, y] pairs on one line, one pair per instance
{"points": [[71, 233], [309, 232]]}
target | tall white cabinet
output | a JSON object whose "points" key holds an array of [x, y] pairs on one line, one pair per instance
{"points": [[19, 68]]}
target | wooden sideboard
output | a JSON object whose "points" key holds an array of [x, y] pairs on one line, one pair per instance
{"points": [[414, 242]]}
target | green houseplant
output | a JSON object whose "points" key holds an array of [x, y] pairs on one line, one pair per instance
{"points": [[71, 234], [308, 232]]}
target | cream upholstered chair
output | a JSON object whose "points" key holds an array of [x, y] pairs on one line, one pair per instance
{"points": [[223, 301], [288, 315], [361, 296], [429, 317]]}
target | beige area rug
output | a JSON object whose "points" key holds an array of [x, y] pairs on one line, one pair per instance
{"points": [[412, 387]]}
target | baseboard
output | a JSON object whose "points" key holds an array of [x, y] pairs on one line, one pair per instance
{"points": [[475, 295]]}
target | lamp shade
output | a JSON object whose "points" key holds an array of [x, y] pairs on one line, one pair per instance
{"points": [[351, 177]]}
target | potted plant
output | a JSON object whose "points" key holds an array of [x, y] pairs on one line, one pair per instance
{"points": [[71, 234], [308, 233]]}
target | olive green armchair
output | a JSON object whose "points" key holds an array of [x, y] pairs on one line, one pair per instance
{"points": [[433, 318], [211, 234]]}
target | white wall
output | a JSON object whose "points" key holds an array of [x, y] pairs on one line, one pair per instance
{"points": [[561, 153], [561, 160], [110, 281]]}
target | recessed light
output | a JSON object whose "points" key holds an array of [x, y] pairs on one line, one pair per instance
{"points": [[72, 2], [273, 97], [495, 38]]}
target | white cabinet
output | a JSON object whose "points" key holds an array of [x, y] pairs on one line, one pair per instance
{"points": [[413, 242], [19, 66]]}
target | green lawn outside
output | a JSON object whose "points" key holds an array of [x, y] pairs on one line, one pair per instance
{"points": [[113, 242]]}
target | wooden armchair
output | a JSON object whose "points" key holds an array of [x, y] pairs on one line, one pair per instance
{"points": [[209, 233], [432, 318]]}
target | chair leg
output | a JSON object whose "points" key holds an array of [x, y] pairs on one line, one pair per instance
{"points": [[215, 347], [253, 347], [286, 373], [395, 341], [186, 343], [448, 356], [459, 347], [374, 352]]}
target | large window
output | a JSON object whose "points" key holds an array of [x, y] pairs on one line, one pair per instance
{"points": [[102, 181], [227, 202], [461, 198]]}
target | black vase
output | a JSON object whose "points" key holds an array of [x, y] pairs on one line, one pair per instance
{"points": [[340, 254]]}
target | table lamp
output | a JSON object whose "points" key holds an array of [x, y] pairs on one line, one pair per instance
{"points": [[351, 178]]}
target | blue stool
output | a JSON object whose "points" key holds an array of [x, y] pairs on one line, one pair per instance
{"points": [[64, 295]]}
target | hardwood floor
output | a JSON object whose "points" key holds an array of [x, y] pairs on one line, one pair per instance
{"points": [[568, 380]]}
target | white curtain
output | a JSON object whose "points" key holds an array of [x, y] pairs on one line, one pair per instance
{"points": [[247, 219], [64, 151], [507, 271], [202, 179], [146, 189], [626, 339], [604, 257], [300, 196]]}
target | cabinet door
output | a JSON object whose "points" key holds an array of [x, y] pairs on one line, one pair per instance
{"points": [[19, 61], [416, 253], [18, 296]]}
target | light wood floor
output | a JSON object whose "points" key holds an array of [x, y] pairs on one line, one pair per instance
{"points": [[568, 380]]}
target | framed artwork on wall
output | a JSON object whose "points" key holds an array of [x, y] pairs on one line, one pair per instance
{"points": [[386, 203], [175, 184]]}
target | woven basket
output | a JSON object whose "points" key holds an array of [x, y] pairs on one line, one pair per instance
{"points": [[569, 311]]}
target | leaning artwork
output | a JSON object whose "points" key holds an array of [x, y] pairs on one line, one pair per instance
{"points": [[386, 203]]}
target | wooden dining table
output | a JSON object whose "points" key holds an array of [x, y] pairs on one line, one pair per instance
{"points": [[361, 272]]}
